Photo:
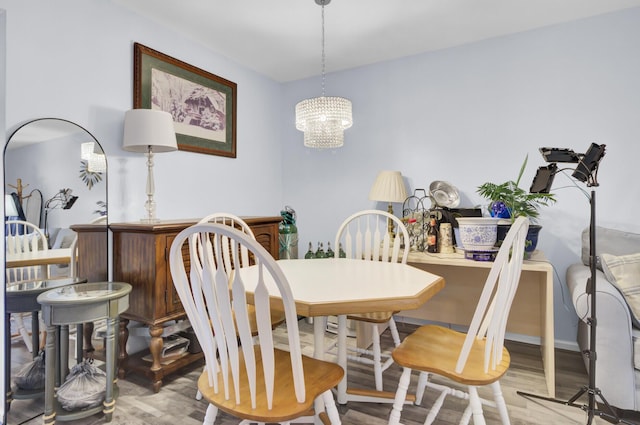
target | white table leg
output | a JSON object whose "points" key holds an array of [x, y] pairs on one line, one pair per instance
{"points": [[319, 324], [318, 337], [342, 358]]}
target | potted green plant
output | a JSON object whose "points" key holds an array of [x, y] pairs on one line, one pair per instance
{"points": [[509, 200]]}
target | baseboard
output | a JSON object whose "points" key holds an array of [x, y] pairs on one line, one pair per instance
{"points": [[559, 344]]}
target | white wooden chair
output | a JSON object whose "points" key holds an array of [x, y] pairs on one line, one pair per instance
{"points": [[277, 317], [24, 237], [476, 358], [255, 382], [364, 235]]}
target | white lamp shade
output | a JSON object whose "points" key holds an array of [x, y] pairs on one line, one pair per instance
{"points": [[388, 187], [144, 128]]}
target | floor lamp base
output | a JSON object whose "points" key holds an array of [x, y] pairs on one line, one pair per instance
{"points": [[608, 414]]}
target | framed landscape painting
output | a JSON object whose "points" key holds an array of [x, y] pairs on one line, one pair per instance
{"points": [[203, 105]]}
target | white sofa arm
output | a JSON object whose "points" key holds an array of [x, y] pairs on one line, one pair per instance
{"points": [[614, 342]]}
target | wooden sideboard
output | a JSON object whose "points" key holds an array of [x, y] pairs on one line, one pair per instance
{"points": [[93, 248], [140, 257]]}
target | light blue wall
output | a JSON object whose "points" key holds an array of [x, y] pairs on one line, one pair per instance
{"points": [[466, 115], [471, 114], [73, 59]]}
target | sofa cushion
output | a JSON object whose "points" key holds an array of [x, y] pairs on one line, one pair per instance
{"points": [[611, 241], [624, 273]]}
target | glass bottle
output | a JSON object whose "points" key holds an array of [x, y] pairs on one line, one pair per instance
{"points": [[432, 235], [288, 240], [341, 253], [330, 253], [310, 253], [320, 251]]}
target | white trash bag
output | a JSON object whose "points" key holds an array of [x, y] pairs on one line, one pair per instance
{"points": [[84, 387], [31, 376]]}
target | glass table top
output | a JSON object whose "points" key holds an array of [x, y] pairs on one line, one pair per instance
{"points": [[38, 286], [85, 293]]}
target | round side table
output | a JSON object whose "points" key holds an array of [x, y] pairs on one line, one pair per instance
{"points": [[21, 297], [86, 302]]}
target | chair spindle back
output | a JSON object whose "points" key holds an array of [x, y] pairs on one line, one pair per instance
{"points": [[490, 317], [364, 236], [24, 237], [216, 304]]}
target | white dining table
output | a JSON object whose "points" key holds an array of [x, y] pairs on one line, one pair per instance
{"points": [[337, 287]]}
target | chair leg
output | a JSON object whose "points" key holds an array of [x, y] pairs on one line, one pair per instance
{"points": [[394, 331], [476, 406], [198, 392], [501, 405], [423, 378], [377, 357], [437, 405], [330, 407], [23, 331], [210, 416], [401, 395], [466, 416]]}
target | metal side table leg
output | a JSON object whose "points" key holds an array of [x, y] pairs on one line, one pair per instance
{"points": [[49, 417], [110, 355]]}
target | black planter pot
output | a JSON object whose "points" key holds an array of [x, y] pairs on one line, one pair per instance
{"points": [[503, 229], [532, 237]]}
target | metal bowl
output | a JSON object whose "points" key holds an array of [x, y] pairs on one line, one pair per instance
{"points": [[444, 194]]}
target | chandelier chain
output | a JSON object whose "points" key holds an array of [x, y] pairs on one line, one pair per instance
{"points": [[323, 119], [323, 54]]}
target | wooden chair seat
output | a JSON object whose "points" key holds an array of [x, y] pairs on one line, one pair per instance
{"points": [[377, 317], [436, 349], [319, 376]]}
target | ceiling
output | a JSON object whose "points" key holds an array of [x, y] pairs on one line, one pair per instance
{"points": [[282, 38]]}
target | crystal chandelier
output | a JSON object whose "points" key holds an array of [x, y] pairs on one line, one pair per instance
{"points": [[323, 119]]}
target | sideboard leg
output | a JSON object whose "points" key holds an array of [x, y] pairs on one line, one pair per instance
{"points": [[123, 337], [155, 346], [87, 334]]}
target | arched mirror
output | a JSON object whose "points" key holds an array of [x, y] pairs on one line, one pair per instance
{"points": [[55, 175]]}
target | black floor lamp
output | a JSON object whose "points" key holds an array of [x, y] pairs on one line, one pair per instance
{"points": [[585, 171], [63, 199]]}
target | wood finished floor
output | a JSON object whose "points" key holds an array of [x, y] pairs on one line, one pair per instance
{"points": [[175, 403]]}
